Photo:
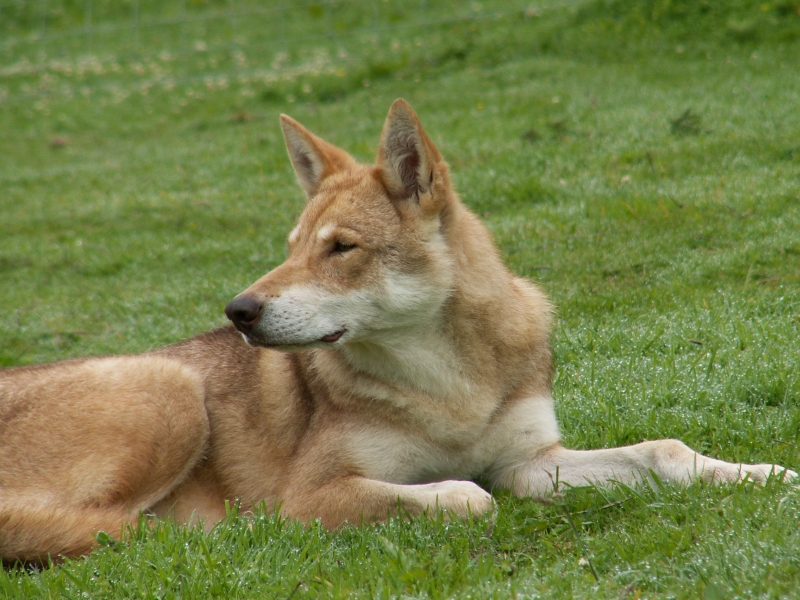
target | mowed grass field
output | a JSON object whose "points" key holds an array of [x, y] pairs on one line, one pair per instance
{"points": [[641, 161]]}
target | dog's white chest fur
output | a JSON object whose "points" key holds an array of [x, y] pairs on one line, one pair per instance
{"points": [[428, 419], [444, 447]]}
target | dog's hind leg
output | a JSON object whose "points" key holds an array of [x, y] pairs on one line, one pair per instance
{"points": [[669, 460], [31, 530], [86, 445]]}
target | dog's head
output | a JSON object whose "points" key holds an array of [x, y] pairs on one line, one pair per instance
{"points": [[368, 255]]}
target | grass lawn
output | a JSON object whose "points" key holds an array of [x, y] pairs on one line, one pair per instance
{"points": [[640, 160]]}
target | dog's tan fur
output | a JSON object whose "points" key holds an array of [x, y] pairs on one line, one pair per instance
{"points": [[391, 359]]}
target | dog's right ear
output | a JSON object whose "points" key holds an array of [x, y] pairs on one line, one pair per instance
{"points": [[313, 158]]}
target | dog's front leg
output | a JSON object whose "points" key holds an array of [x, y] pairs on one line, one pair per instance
{"points": [[357, 499], [669, 460]]}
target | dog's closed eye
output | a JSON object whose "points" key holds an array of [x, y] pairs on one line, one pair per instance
{"points": [[340, 247]]}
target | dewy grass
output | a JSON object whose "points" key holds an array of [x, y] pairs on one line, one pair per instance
{"points": [[131, 214]]}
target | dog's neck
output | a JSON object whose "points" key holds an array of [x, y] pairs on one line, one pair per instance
{"points": [[421, 359]]}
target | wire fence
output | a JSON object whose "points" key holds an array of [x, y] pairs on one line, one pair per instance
{"points": [[57, 48]]}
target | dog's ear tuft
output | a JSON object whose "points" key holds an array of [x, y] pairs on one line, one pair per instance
{"points": [[407, 156], [313, 158]]}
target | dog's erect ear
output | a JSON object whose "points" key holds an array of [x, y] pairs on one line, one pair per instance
{"points": [[313, 158], [407, 156]]}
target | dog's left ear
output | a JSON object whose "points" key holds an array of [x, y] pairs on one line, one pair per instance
{"points": [[407, 158], [313, 158]]}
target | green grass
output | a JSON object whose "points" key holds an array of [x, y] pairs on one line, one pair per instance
{"points": [[132, 212]]}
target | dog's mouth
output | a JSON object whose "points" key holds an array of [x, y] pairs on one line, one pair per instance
{"points": [[254, 339], [332, 337]]}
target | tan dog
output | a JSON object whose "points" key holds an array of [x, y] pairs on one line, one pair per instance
{"points": [[390, 359]]}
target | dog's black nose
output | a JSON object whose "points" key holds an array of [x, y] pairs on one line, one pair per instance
{"points": [[244, 312]]}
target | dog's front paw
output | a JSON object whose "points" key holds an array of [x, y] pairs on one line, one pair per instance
{"points": [[460, 497], [760, 473]]}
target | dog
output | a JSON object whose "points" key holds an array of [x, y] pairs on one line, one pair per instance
{"points": [[388, 362]]}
